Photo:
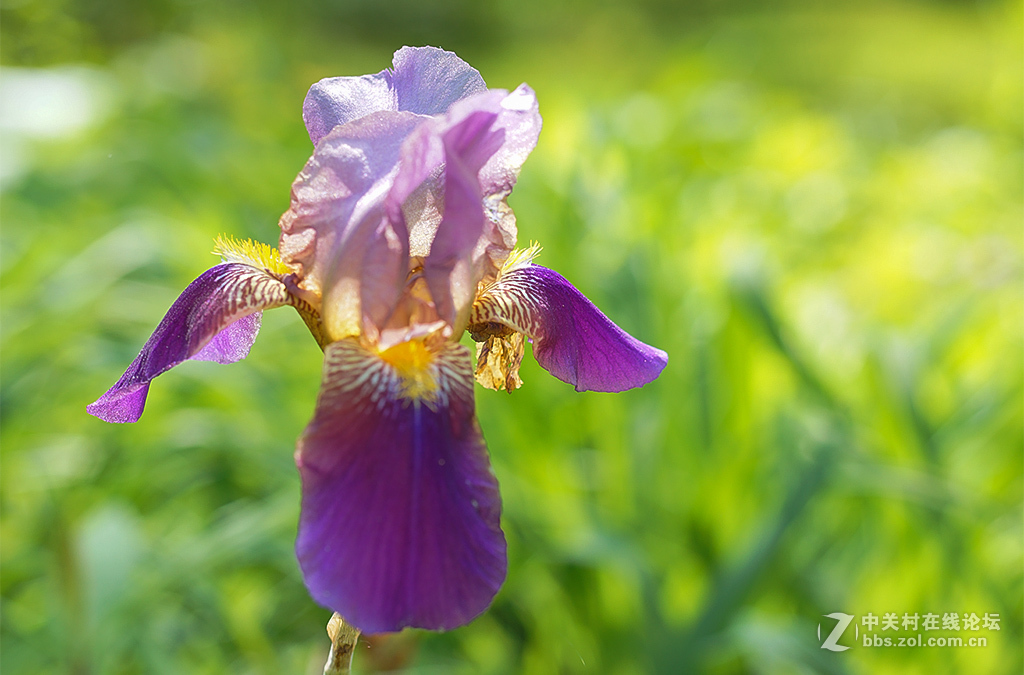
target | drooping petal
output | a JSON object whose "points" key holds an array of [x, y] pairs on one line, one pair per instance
{"points": [[400, 510], [216, 318], [337, 220], [572, 339], [233, 343], [453, 168], [425, 81]]}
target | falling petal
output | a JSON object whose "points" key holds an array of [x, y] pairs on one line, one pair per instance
{"points": [[216, 318], [400, 510], [572, 339]]}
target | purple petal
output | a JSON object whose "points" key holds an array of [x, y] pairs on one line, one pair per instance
{"points": [[233, 343], [425, 81], [461, 147], [337, 218], [428, 80], [572, 339], [521, 122], [400, 510], [215, 319], [458, 163], [519, 118], [337, 100]]}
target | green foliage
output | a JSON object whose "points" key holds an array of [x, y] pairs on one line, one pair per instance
{"points": [[816, 213]]}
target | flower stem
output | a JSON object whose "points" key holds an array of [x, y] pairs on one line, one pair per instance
{"points": [[343, 644]]}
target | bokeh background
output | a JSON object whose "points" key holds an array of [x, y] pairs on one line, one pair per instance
{"points": [[815, 208]]}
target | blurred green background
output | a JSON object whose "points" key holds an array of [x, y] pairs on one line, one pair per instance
{"points": [[815, 208]]}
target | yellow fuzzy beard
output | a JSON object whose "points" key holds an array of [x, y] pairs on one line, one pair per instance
{"points": [[519, 258], [249, 252]]}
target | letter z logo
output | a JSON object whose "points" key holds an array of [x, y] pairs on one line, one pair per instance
{"points": [[831, 643]]}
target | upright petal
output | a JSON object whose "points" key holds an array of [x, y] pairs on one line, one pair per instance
{"points": [[428, 80], [572, 339], [520, 118], [216, 318], [453, 167], [337, 219], [425, 81], [337, 100], [449, 153], [400, 510]]}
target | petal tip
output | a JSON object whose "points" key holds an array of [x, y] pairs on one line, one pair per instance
{"points": [[650, 367], [120, 406], [216, 318]]}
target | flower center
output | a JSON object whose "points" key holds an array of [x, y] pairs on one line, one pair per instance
{"points": [[413, 362]]}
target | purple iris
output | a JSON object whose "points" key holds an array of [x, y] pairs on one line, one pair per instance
{"points": [[398, 239]]}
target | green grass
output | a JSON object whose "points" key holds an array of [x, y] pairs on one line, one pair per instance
{"points": [[816, 213]]}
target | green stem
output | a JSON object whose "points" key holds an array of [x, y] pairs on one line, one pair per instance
{"points": [[343, 645]]}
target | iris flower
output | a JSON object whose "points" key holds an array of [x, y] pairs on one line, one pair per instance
{"points": [[398, 239]]}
